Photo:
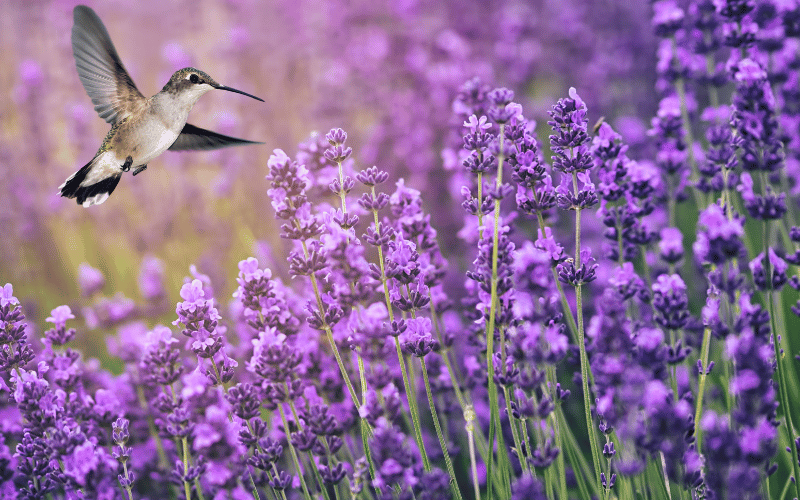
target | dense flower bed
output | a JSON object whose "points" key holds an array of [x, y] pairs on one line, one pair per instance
{"points": [[564, 343]]}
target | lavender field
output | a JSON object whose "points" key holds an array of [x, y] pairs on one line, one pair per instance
{"points": [[488, 250]]}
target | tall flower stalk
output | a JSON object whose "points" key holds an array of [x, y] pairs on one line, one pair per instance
{"points": [[569, 143]]}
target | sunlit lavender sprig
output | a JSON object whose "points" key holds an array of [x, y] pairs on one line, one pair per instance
{"points": [[536, 345], [338, 153], [15, 350], [487, 270], [570, 144], [289, 185], [479, 162], [289, 182], [414, 267], [122, 454], [535, 193], [398, 270]]}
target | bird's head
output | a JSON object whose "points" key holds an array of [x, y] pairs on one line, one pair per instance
{"points": [[191, 83]]}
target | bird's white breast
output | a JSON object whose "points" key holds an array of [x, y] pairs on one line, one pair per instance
{"points": [[155, 137], [160, 126]]}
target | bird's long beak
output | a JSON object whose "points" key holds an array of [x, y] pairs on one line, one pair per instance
{"points": [[229, 89]]}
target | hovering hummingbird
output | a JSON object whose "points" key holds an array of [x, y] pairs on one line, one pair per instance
{"points": [[141, 127]]}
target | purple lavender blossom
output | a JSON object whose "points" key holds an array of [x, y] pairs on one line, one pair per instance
{"points": [[182, 415], [15, 350], [775, 264], [90, 280], [720, 238], [570, 139]]}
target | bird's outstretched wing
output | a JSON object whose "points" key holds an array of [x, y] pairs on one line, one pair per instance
{"points": [[100, 69], [192, 137]]}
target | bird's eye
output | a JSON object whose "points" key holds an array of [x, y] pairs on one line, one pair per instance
{"points": [[194, 78]]}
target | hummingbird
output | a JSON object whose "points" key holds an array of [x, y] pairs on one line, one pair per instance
{"points": [[141, 127]]}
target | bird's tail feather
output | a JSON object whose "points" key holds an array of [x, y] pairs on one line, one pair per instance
{"points": [[92, 194]]}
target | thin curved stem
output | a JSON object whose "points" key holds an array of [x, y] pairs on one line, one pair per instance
{"points": [[442, 442]]}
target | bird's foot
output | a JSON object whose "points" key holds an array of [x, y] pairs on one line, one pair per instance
{"points": [[140, 169], [127, 165]]}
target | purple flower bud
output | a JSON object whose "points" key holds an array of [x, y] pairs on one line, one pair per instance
{"points": [[281, 481], [60, 315], [528, 488], [667, 18], [586, 196], [480, 164], [502, 114], [332, 475], [719, 239], [372, 176], [544, 455], [671, 245], [475, 125], [501, 96], [338, 153], [567, 272], [336, 137], [120, 430], [778, 269], [345, 220], [81, 462], [373, 203]]}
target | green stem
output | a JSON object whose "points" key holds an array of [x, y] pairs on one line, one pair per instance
{"points": [[702, 385], [469, 417], [341, 187], [577, 461], [412, 408], [548, 483], [587, 398], [256, 495], [410, 390], [515, 433], [127, 488], [494, 425], [782, 390], [664, 472], [780, 368], [312, 465], [573, 327], [293, 452], [442, 442], [199, 490], [454, 379], [187, 489], [329, 332], [550, 373]]}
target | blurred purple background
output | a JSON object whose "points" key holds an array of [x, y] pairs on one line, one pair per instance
{"points": [[385, 71]]}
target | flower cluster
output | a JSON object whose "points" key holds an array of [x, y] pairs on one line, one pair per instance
{"points": [[387, 349]]}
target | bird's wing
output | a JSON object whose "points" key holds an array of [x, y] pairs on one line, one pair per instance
{"points": [[192, 137], [100, 69]]}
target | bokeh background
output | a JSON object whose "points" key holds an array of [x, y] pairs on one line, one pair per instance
{"points": [[385, 71]]}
